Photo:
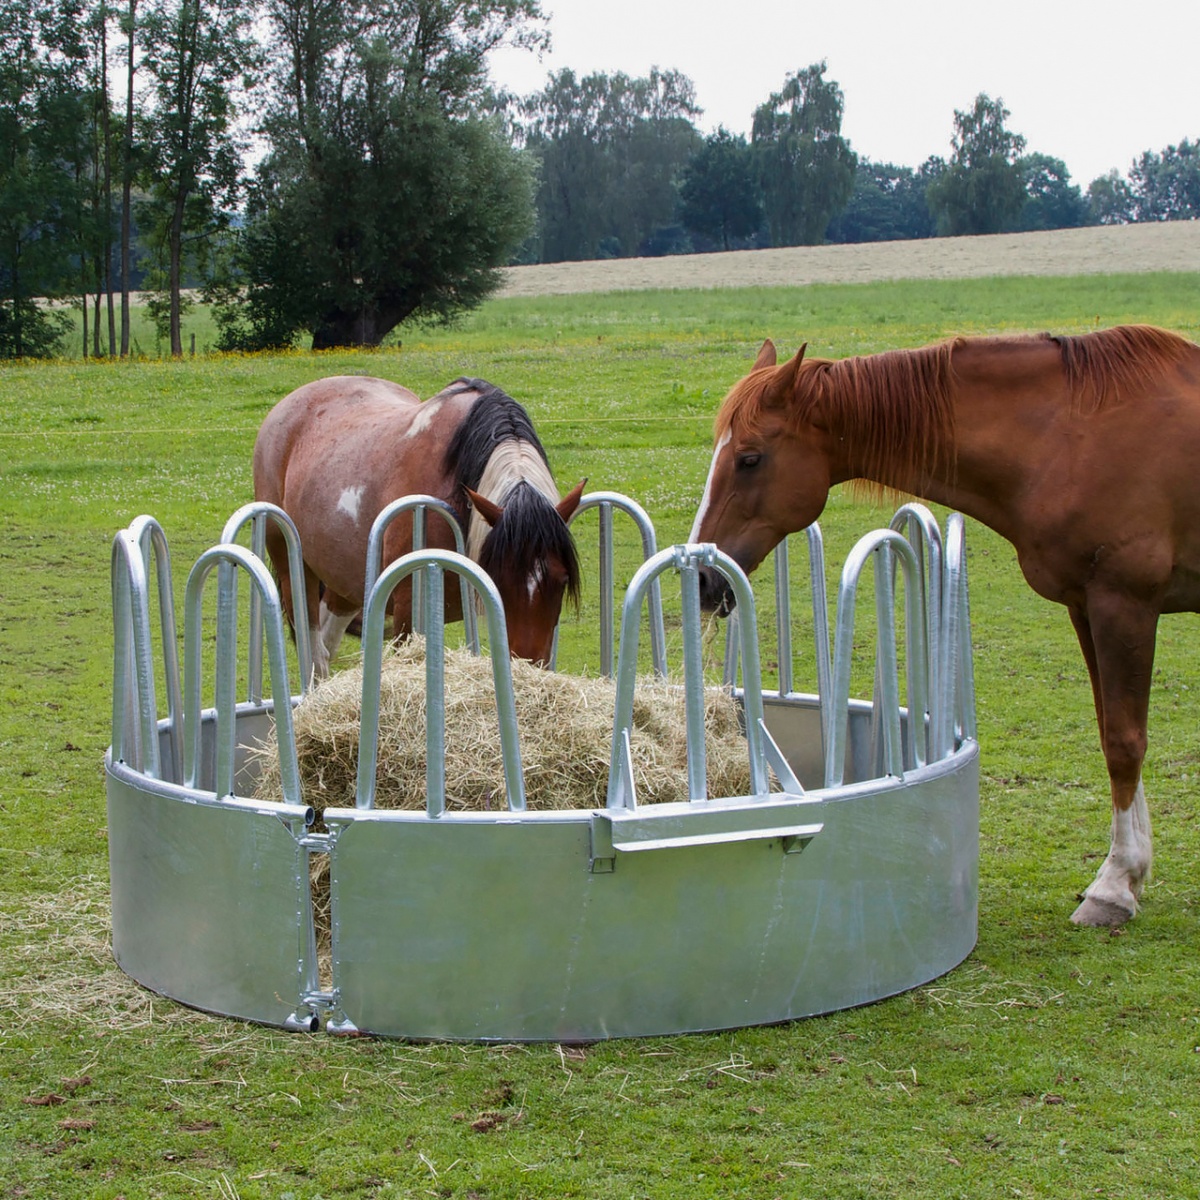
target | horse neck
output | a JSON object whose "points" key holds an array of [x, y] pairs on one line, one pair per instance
{"points": [[512, 462], [955, 424]]}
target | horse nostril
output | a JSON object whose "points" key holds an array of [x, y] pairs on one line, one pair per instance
{"points": [[715, 593]]}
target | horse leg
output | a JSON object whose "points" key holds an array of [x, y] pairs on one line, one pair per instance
{"points": [[277, 553], [335, 616], [314, 603], [1117, 638]]}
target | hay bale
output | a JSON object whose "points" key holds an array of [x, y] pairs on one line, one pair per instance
{"points": [[565, 724]]}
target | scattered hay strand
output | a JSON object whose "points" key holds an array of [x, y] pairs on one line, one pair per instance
{"points": [[565, 724]]}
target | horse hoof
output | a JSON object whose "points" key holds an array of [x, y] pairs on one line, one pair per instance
{"points": [[1101, 914]]}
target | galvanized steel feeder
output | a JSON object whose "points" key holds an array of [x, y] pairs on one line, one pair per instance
{"points": [[857, 880]]}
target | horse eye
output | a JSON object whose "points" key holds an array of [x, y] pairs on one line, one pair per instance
{"points": [[746, 461]]}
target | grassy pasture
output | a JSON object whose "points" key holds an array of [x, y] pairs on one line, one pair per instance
{"points": [[1054, 1063]]}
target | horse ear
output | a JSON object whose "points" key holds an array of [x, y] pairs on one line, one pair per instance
{"points": [[766, 356], [782, 388], [490, 512], [570, 502]]}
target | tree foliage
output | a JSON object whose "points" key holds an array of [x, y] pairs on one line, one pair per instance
{"points": [[888, 203], [43, 154], [805, 166], [611, 151], [385, 196], [720, 200], [196, 55], [1166, 186], [1052, 201], [981, 190]]}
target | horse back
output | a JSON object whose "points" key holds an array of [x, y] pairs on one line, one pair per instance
{"points": [[333, 453]]}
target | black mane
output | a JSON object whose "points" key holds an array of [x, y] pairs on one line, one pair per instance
{"points": [[529, 532], [494, 418]]}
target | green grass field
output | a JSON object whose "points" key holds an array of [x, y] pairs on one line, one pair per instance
{"points": [[1055, 1062]]}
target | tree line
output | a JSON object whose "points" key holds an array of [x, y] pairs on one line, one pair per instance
{"points": [[331, 169]]}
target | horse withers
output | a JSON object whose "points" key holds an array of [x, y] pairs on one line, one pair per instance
{"points": [[334, 453], [1081, 451]]}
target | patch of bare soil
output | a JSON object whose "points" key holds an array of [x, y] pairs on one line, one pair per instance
{"points": [[1115, 249]]}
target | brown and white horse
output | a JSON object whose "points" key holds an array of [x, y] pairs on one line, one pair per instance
{"points": [[1081, 451], [333, 454]]}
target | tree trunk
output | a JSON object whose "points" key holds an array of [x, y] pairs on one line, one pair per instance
{"points": [[106, 126], [366, 327], [175, 274], [127, 189]]}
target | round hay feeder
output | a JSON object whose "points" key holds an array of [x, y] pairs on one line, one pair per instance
{"points": [[846, 873]]}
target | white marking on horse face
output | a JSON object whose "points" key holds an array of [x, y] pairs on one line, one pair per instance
{"points": [[421, 421], [536, 578], [350, 501], [707, 497]]}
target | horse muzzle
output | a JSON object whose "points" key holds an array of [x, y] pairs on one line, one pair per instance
{"points": [[715, 593]]}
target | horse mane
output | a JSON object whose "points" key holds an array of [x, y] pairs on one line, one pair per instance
{"points": [[497, 453], [1102, 368], [897, 406], [495, 418], [528, 532]]}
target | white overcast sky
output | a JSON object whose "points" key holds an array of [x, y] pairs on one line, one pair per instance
{"points": [[1093, 82]]}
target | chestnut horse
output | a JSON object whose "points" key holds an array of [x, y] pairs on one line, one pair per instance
{"points": [[333, 454], [1081, 451]]}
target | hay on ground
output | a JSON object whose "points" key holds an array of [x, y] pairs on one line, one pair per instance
{"points": [[565, 724]]}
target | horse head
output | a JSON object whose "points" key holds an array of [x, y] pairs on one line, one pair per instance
{"points": [[531, 557], [770, 472]]}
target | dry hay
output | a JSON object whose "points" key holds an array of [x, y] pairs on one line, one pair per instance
{"points": [[565, 724]]}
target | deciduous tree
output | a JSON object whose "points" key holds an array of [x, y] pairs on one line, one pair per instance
{"points": [[1052, 201], [982, 190], [888, 203], [720, 198], [805, 166], [43, 149], [386, 195], [1109, 199], [611, 151], [198, 55], [1165, 186]]}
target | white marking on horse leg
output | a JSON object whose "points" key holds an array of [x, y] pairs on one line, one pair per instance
{"points": [[320, 656], [706, 499], [1119, 882], [333, 627], [350, 501]]}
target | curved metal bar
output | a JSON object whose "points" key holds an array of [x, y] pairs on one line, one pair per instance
{"points": [[374, 614], [783, 611], [153, 542], [957, 680], [880, 545], [256, 514], [921, 528], [226, 559], [606, 502], [418, 504], [820, 618], [134, 713], [687, 559]]}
